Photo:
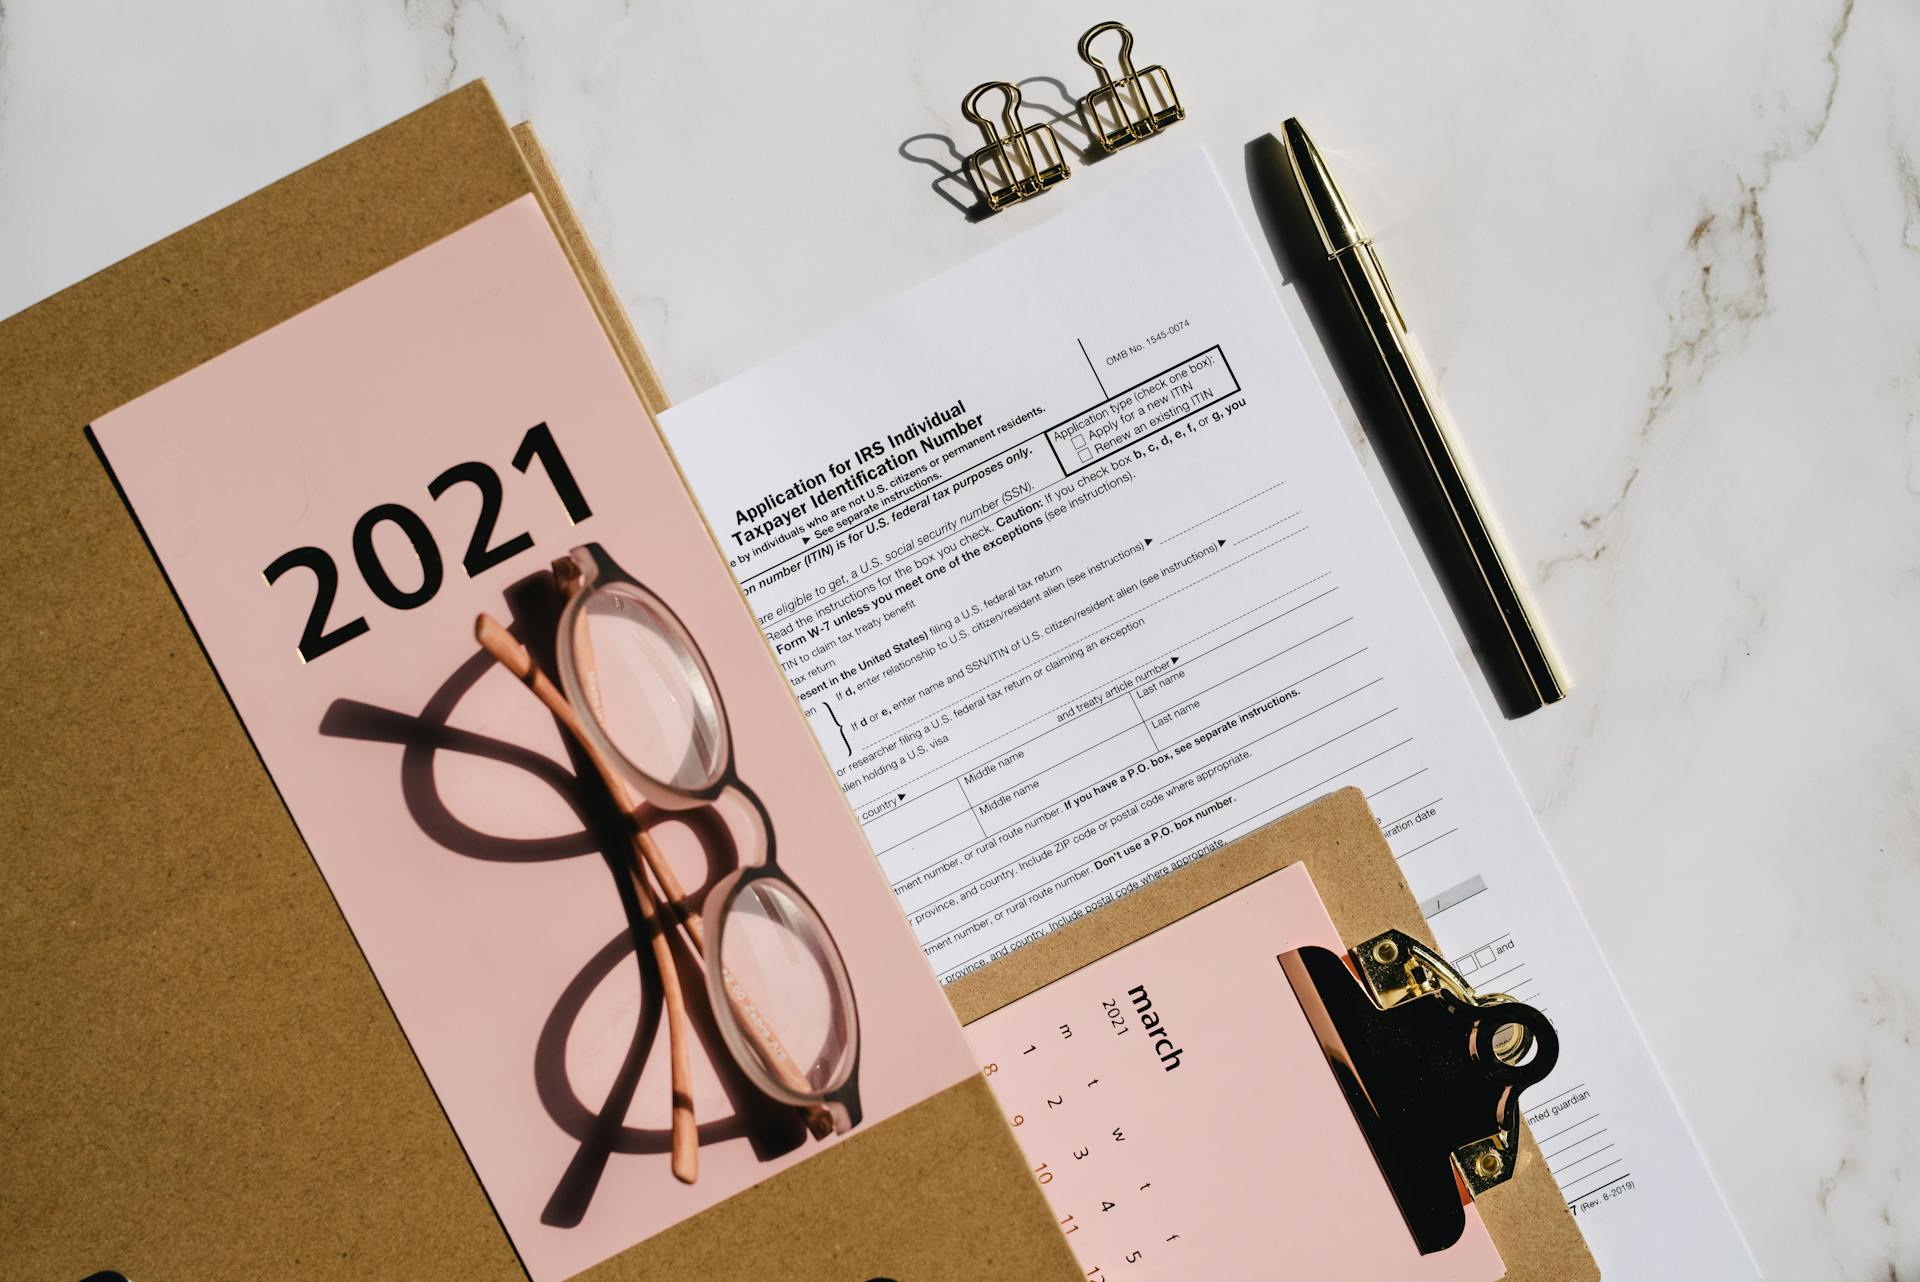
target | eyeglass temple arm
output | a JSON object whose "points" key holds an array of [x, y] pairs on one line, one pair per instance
{"points": [[513, 656]]}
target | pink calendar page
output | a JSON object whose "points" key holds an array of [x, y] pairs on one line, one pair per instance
{"points": [[1180, 1115]]}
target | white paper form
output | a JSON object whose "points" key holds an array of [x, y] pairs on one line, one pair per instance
{"points": [[1078, 579]]}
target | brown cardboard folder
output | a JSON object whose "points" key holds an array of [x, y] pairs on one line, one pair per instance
{"points": [[200, 1078]]}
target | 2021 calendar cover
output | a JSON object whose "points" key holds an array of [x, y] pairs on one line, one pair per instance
{"points": [[480, 637]]}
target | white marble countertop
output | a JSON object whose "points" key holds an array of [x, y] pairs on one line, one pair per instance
{"points": [[1665, 258]]}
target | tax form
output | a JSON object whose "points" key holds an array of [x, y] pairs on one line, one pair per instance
{"points": [[1078, 579]]}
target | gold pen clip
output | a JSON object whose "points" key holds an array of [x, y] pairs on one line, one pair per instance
{"points": [[1432, 1070], [1019, 166], [1138, 105]]}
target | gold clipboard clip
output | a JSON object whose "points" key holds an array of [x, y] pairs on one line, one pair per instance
{"points": [[1138, 105], [1019, 166], [1432, 1070]]}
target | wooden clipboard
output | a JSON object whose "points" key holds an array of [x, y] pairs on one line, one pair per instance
{"points": [[1339, 841], [202, 1077]]}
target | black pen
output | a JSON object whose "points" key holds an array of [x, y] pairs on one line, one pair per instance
{"points": [[1405, 420]]}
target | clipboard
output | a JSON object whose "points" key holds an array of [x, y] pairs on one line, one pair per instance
{"points": [[204, 1077], [1340, 844]]}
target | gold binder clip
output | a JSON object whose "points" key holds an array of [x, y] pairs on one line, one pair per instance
{"points": [[1137, 105], [1432, 1070], [1023, 164]]}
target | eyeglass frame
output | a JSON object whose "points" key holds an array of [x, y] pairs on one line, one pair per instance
{"points": [[586, 570]]}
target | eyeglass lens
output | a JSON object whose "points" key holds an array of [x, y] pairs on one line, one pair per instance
{"points": [[783, 966], [654, 701]]}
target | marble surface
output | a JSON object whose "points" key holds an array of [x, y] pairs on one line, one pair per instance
{"points": [[1665, 259]]}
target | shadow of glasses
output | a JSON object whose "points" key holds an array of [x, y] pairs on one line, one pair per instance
{"points": [[769, 1129]]}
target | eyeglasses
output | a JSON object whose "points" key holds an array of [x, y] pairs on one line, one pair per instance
{"points": [[637, 694]]}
